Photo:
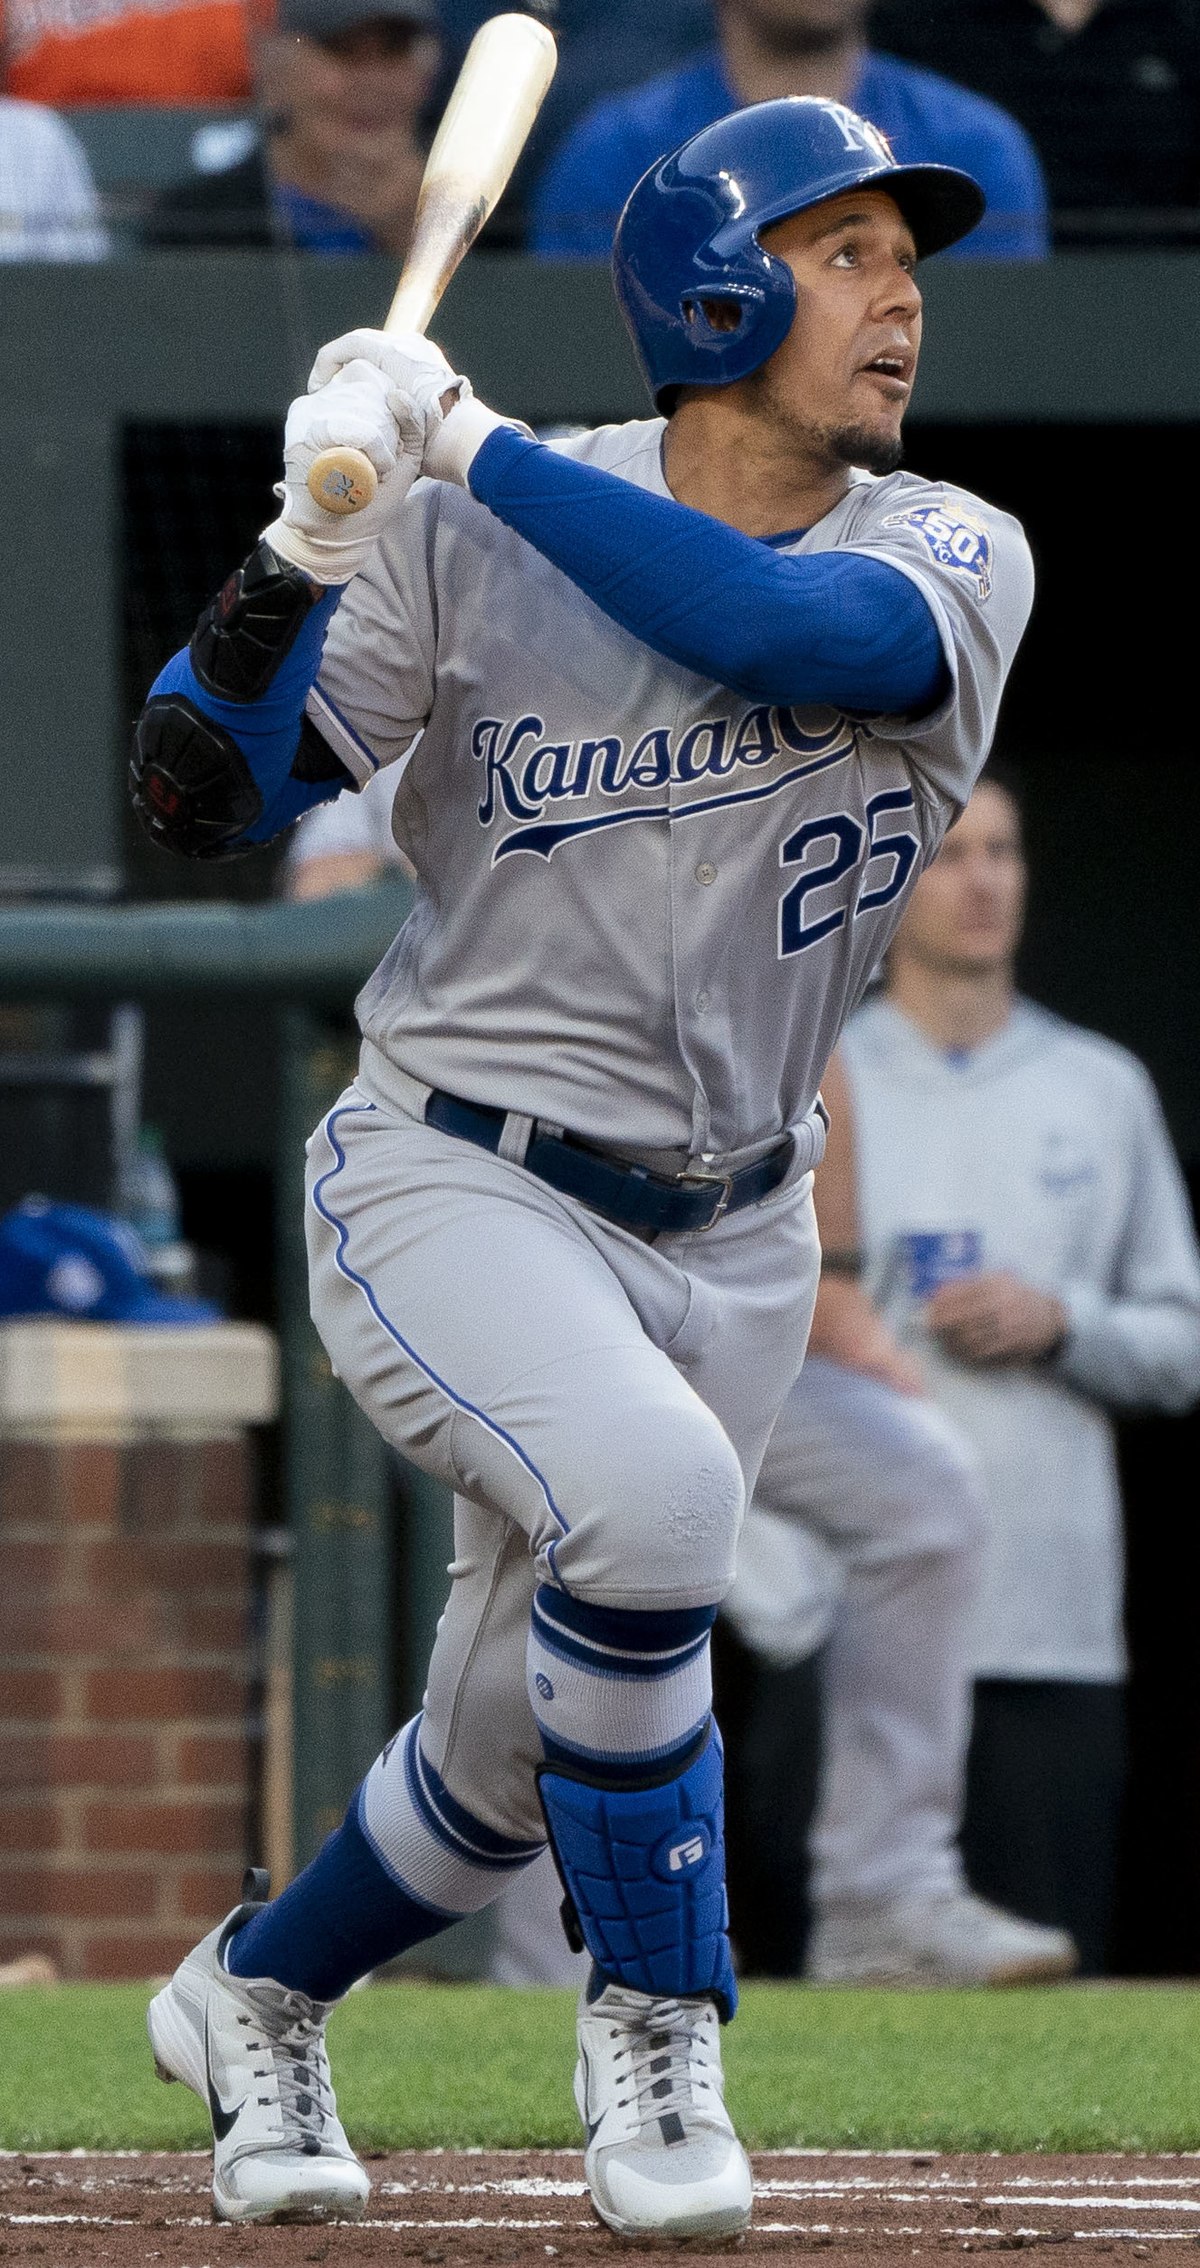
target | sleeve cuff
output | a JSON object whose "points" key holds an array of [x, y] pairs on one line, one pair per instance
{"points": [[451, 454], [1085, 1309]]}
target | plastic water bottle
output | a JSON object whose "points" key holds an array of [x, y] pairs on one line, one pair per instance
{"points": [[150, 1204]]}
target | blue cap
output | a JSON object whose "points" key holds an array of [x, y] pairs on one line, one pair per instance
{"points": [[68, 1260]]}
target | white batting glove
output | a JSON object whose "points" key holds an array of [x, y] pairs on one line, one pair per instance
{"points": [[357, 408], [420, 375]]}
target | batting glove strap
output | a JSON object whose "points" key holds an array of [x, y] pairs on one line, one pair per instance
{"points": [[644, 1870], [331, 564]]}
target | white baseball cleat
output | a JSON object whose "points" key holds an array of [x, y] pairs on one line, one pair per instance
{"points": [[953, 1938], [662, 2159], [255, 2054]]}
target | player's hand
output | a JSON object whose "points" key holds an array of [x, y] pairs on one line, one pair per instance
{"points": [[357, 408], [848, 1329], [418, 378], [455, 423], [996, 1318]]}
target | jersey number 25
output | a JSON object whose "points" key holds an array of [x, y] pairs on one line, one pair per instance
{"points": [[848, 839]]}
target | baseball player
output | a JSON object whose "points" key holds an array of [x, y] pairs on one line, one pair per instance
{"points": [[682, 707]]}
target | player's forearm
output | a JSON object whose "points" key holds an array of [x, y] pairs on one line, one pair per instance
{"points": [[223, 759], [821, 627]]}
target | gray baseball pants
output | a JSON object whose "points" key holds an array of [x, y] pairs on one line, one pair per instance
{"points": [[599, 1405]]}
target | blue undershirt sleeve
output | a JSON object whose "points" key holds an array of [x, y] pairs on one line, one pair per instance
{"points": [[268, 730], [830, 627]]}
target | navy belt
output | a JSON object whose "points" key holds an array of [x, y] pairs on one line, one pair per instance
{"points": [[630, 1195]]}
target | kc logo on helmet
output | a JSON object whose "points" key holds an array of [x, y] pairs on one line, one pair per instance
{"points": [[859, 134]]}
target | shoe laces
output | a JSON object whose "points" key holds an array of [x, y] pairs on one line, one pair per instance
{"points": [[290, 2050], [663, 2055]]}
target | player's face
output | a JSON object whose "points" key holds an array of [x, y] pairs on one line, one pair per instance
{"points": [[964, 917], [843, 376]]}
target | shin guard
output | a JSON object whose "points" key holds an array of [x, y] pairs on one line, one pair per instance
{"points": [[643, 1865]]}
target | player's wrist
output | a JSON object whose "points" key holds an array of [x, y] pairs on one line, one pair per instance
{"points": [[325, 564], [451, 451]]}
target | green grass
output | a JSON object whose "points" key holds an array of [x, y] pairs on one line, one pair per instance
{"points": [[1078, 2068]]}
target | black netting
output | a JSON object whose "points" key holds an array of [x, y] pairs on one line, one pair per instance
{"points": [[194, 499]]}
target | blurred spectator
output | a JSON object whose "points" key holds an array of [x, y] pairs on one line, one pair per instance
{"points": [[865, 1539], [48, 204], [1109, 90], [1025, 1233], [344, 87], [768, 48], [94, 52], [603, 46]]}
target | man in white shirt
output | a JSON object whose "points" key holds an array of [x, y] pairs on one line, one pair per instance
{"points": [[1024, 1233]]}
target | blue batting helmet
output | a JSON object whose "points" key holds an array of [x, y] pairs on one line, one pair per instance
{"points": [[690, 230]]}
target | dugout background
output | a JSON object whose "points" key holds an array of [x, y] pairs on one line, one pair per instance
{"points": [[1097, 723]]}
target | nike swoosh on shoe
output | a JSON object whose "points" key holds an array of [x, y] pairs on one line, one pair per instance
{"points": [[223, 2121]]}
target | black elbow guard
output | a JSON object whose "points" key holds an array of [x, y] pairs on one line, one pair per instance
{"points": [[192, 788], [245, 632]]}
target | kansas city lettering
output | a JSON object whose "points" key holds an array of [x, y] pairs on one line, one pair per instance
{"points": [[524, 772]]}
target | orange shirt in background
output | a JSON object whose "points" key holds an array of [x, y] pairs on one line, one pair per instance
{"points": [[92, 52]]}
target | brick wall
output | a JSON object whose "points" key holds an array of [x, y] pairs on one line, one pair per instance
{"points": [[124, 1687]]}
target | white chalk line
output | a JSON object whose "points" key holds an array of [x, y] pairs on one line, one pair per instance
{"points": [[1021, 2190]]}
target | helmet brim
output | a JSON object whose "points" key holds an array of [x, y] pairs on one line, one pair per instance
{"points": [[940, 204]]}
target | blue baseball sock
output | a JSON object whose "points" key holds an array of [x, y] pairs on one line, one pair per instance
{"points": [[407, 1860], [341, 1918]]}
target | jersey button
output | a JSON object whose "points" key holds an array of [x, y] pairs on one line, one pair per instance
{"points": [[702, 1001], [706, 872]]}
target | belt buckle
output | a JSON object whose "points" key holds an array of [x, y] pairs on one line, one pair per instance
{"points": [[722, 1183]]}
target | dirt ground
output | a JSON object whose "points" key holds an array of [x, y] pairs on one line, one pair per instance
{"points": [[71, 2210]]}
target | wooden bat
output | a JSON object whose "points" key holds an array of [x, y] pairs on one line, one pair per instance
{"points": [[496, 97]]}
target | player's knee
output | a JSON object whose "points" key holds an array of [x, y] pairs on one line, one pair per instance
{"points": [[666, 1508]]}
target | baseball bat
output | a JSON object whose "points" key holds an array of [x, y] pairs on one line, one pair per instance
{"points": [[495, 99]]}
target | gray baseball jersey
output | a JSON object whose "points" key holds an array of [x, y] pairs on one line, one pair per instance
{"points": [[646, 904]]}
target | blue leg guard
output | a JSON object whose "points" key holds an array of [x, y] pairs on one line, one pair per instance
{"points": [[643, 1865]]}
